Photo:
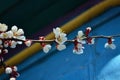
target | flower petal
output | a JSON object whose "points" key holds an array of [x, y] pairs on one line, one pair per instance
{"points": [[106, 45], [112, 46], [61, 47], [89, 28], [19, 42], [12, 78], [3, 27], [8, 70], [20, 32], [80, 34], [46, 48], [14, 28], [78, 52], [5, 51], [13, 44], [10, 34], [57, 32], [15, 68]]}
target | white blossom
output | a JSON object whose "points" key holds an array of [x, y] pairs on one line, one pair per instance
{"points": [[21, 37], [88, 28], [112, 46], [78, 49], [46, 48], [19, 42], [17, 33], [1, 36], [8, 70], [15, 68], [12, 78], [57, 31], [6, 44], [60, 38], [4, 35], [20, 32], [3, 27], [61, 47], [80, 37], [9, 34], [13, 44], [5, 51], [14, 28]]}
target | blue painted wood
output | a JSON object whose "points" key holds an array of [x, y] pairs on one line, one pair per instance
{"points": [[97, 63]]}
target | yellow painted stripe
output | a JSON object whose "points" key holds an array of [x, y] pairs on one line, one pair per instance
{"points": [[68, 27]]}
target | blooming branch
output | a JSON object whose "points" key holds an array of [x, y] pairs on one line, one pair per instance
{"points": [[15, 36], [60, 38], [12, 72]]}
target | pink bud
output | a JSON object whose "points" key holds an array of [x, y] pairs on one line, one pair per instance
{"points": [[88, 30], [42, 38]]}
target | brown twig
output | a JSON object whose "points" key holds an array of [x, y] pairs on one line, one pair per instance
{"points": [[48, 41]]}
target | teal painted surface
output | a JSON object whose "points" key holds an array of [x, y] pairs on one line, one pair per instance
{"points": [[97, 63], [34, 15], [6, 4]]}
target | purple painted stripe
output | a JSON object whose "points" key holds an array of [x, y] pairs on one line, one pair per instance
{"points": [[58, 22]]}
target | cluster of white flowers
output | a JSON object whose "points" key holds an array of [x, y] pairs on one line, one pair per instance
{"points": [[13, 33], [16, 36], [82, 38], [78, 47], [12, 71], [60, 38], [10, 38]]}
